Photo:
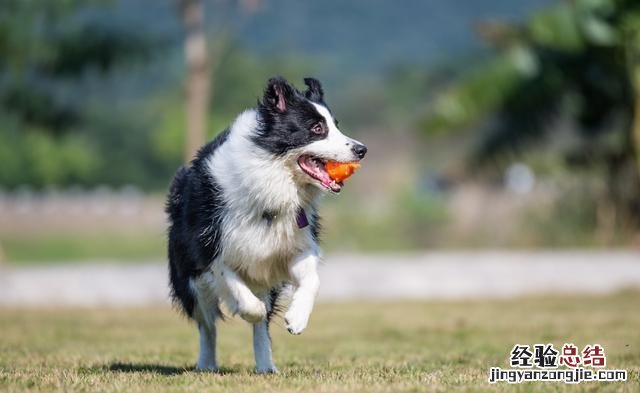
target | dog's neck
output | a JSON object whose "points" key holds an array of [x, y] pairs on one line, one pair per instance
{"points": [[254, 180]]}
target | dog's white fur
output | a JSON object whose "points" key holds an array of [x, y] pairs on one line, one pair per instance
{"points": [[256, 257]]}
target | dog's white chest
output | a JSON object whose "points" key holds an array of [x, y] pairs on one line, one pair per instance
{"points": [[261, 248]]}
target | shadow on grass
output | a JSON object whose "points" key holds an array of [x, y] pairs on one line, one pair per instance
{"points": [[155, 369], [147, 368]]}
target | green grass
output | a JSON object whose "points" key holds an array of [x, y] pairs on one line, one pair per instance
{"points": [[409, 346], [55, 248]]}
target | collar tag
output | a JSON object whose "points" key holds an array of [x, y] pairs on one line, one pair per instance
{"points": [[301, 219]]}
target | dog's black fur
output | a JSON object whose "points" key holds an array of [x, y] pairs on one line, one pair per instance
{"points": [[194, 205], [279, 134]]}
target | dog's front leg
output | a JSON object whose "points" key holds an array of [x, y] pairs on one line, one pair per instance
{"points": [[240, 298], [304, 274]]}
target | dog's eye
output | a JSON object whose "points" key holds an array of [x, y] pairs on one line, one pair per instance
{"points": [[317, 128]]}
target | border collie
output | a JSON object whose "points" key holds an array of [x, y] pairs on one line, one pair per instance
{"points": [[243, 218]]}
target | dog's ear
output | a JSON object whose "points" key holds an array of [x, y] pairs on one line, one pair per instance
{"points": [[314, 90], [279, 94]]}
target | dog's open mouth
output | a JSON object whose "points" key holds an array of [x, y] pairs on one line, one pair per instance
{"points": [[314, 167]]}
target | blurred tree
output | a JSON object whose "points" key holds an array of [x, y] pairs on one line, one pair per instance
{"points": [[198, 75], [578, 60], [42, 42], [199, 67], [46, 47]]}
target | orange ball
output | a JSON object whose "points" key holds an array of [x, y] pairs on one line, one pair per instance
{"points": [[339, 171]]}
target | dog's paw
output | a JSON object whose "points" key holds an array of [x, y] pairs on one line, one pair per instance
{"points": [[252, 311], [207, 367], [296, 320], [267, 370]]}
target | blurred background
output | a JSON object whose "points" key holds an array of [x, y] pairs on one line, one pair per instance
{"points": [[491, 124], [499, 202]]}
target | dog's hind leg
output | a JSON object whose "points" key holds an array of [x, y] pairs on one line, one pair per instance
{"points": [[205, 313], [262, 342], [207, 357]]}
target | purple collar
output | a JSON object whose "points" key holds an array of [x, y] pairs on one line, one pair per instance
{"points": [[301, 219]]}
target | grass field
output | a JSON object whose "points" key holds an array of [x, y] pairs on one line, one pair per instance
{"points": [[411, 346], [66, 248]]}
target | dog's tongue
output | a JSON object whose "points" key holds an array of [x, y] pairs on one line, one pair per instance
{"points": [[321, 174], [326, 181]]}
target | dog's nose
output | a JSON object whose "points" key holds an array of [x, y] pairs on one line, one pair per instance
{"points": [[359, 150]]}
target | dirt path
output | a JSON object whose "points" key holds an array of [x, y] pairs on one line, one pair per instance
{"points": [[446, 275]]}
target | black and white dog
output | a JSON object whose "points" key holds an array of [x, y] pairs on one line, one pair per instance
{"points": [[243, 220]]}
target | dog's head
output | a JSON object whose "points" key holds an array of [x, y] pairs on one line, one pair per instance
{"points": [[300, 128]]}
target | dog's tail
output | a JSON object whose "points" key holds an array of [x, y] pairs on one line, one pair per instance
{"points": [[179, 275], [174, 201], [181, 293]]}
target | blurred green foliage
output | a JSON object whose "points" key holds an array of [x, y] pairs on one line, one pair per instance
{"points": [[37, 158], [66, 115], [49, 134], [573, 65], [80, 103], [44, 44], [77, 247]]}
